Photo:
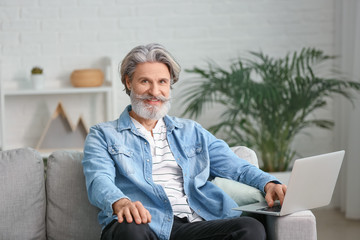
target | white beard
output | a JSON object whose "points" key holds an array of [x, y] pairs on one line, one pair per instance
{"points": [[148, 111]]}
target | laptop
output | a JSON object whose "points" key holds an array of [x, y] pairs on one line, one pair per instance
{"points": [[311, 185]]}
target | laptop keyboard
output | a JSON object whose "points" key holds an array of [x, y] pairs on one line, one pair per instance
{"points": [[275, 208]]}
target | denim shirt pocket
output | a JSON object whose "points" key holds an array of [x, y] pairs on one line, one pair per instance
{"points": [[192, 151], [196, 159], [123, 158]]}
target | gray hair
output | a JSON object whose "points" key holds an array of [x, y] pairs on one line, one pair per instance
{"points": [[149, 53]]}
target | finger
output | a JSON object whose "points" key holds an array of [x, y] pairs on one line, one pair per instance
{"points": [[143, 212], [120, 218], [127, 215], [269, 199], [279, 194], [284, 188], [282, 194], [148, 215], [135, 214], [271, 195]]}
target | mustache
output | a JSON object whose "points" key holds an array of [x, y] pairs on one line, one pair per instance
{"points": [[150, 97]]}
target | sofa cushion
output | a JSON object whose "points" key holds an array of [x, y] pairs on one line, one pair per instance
{"points": [[69, 213], [22, 195]]}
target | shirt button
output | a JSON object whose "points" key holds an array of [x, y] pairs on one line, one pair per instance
{"points": [[145, 143], [147, 160]]}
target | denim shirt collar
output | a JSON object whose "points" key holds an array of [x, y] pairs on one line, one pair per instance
{"points": [[124, 122]]}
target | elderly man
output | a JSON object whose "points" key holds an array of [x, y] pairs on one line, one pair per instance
{"points": [[148, 172]]}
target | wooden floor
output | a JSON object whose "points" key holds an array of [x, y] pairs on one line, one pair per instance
{"points": [[332, 225]]}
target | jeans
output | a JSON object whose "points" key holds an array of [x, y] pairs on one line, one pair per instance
{"points": [[244, 228]]}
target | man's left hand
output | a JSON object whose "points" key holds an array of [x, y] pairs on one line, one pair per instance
{"points": [[274, 192]]}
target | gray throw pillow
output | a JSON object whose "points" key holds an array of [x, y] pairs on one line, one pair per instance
{"points": [[69, 213], [22, 195]]}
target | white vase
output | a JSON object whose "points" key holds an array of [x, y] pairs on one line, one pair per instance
{"points": [[38, 81]]}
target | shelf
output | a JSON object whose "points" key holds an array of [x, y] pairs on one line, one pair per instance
{"points": [[9, 94], [99, 97], [50, 91]]}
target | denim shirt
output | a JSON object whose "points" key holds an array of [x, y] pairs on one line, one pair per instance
{"points": [[117, 164]]}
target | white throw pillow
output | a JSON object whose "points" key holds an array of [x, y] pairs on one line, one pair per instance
{"points": [[241, 193]]}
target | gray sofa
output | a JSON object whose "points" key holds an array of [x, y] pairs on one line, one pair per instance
{"points": [[38, 203]]}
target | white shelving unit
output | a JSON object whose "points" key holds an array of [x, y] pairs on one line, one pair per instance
{"points": [[107, 90]]}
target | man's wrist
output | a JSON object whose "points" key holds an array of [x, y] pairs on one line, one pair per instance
{"points": [[117, 203], [268, 185]]}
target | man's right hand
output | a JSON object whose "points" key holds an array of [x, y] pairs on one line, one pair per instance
{"points": [[124, 208]]}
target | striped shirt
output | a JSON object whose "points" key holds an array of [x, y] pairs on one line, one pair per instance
{"points": [[165, 171]]}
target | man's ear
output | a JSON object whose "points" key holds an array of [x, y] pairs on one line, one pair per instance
{"points": [[127, 81]]}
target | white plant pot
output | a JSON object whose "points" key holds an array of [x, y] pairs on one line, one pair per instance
{"points": [[38, 81]]}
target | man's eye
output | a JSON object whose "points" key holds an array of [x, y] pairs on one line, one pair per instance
{"points": [[144, 81]]}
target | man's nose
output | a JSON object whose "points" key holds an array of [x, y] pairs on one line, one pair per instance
{"points": [[154, 90]]}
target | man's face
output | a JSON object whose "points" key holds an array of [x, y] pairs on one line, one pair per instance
{"points": [[150, 90]]}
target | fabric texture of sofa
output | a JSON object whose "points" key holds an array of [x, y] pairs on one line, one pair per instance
{"points": [[38, 203]]}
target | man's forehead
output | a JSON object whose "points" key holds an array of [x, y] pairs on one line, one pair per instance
{"points": [[154, 68]]}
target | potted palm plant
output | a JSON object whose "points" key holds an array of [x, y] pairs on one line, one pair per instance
{"points": [[267, 101]]}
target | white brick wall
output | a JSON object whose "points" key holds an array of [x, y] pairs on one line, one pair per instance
{"points": [[62, 35]]}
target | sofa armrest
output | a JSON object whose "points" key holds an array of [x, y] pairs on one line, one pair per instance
{"points": [[246, 154], [296, 226]]}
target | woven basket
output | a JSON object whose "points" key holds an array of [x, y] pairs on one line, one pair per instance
{"points": [[87, 78]]}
